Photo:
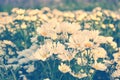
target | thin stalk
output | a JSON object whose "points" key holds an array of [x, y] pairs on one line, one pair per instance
{"points": [[1, 74], [14, 77], [61, 76], [51, 74], [44, 68]]}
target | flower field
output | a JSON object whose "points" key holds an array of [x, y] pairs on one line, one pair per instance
{"points": [[50, 44]]}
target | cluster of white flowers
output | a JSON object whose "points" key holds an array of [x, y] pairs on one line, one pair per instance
{"points": [[83, 46], [77, 40]]}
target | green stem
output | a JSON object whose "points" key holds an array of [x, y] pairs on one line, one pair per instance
{"points": [[13, 75], [44, 68], [1, 75], [51, 74], [61, 76]]}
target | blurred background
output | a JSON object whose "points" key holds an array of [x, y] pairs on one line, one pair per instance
{"points": [[88, 5]]}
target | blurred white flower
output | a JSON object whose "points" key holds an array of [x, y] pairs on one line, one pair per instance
{"points": [[98, 53], [46, 79], [66, 55], [42, 53], [47, 30], [99, 66], [19, 11], [23, 26], [81, 61], [114, 45], [64, 68], [117, 57], [31, 68], [116, 73]]}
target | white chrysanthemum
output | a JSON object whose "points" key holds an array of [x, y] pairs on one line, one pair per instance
{"points": [[81, 61], [41, 54], [99, 66], [92, 71], [31, 68], [116, 73], [99, 53], [117, 57], [23, 26], [77, 40], [47, 30], [56, 48], [66, 55], [64, 68], [84, 39]]}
